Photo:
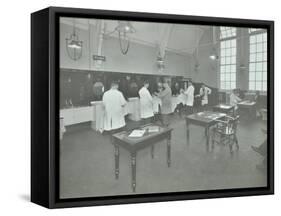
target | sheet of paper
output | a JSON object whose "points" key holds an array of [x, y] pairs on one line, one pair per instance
{"points": [[153, 129], [136, 133]]}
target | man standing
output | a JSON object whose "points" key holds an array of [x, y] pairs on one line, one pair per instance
{"points": [[166, 108], [146, 103], [113, 101], [234, 100], [204, 92], [190, 97]]}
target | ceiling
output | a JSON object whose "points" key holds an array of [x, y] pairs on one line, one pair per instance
{"points": [[179, 38]]}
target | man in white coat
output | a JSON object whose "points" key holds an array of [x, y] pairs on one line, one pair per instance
{"points": [[204, 94], [189, 97], [114, 102], [234, 100], [146, 103]]}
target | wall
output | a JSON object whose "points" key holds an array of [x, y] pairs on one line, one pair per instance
{"points": [[207, 71], [65, 62], [139, 59], [243, 59]]}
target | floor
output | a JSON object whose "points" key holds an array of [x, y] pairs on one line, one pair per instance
{"points": [[87, 163]]}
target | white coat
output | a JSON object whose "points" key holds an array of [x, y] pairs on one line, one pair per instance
{"points": [[157, 102], [113, 101], [234, 100], [190, 95], [181, 98], [204, 93], [146, 104]]}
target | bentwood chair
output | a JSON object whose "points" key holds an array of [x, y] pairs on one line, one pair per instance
{"points": [[224, 133]]}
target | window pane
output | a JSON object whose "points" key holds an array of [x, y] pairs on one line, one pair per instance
{"points": [[264, 76], [264, 36], [227, 76], [258, 76], [259, 47], [264, 86], [252, 76], [264, 67], [264, 46], [253, 48], [227, 60], [253, 57], [259, 86], [252, 86], [259, 57], [259, 67], [227, 85], [226, 32], [233, 60], [252, 67], [253, 39], [259, 38]]}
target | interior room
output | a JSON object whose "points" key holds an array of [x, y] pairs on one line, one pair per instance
{"points": [[209, 133]]}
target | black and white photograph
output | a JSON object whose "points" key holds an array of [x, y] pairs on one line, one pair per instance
{"points": [[154, 107]]}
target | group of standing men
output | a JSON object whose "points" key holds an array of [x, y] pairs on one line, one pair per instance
{"points": [[114, 102]]}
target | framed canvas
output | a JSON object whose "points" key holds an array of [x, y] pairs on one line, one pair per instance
{"points": [[134, 107]]}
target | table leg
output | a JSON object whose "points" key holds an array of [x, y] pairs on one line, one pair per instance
{"points": [[152, 151], [133, 164], [207, 132], [116, 161], [187, 132], [169, 150]]}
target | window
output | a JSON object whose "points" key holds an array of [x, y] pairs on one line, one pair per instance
{"points": [[258, 60], [227, 32], [227, 58]]}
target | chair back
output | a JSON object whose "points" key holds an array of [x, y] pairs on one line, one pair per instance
{"points": [[232, 123]]}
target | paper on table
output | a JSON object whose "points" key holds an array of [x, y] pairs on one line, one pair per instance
{"points": [[153, 129], [137, 133]]}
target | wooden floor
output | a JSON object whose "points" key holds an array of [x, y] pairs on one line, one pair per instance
{"points": [[87, 163]]}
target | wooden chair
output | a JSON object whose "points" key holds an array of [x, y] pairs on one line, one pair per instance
{"points": [[224, 133]]}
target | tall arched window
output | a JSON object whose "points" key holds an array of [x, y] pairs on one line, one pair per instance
{"points": [[258, 60], [227, 58]]}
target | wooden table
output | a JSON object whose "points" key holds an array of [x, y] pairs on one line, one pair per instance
{"points": [[249, 107], [133, 145], [204, 119], [224, 108]]}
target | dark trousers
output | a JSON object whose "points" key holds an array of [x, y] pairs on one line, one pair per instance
{"points": [[180, 108], [165, 119], [189, 110]]}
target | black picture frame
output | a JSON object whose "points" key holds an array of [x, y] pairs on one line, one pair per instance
{"points": [[45, 107]]}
